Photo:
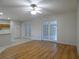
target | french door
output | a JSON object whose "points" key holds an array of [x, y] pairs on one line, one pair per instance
{"points": [[49, 30]]}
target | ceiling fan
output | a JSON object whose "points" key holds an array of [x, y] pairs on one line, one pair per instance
{"points": [[33, 7]]}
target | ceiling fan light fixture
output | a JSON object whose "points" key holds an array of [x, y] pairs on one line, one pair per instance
{"points": [[33, 12], [8, 18], [33, 5], [34, 9], [1, 13]]}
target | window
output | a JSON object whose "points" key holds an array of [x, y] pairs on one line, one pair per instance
{"points": [[50, 30], [28, 30]]}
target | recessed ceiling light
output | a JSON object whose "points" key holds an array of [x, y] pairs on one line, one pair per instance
{"points": [[1, 13]]}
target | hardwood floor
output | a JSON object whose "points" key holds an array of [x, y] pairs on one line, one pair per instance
{"points": [[40, 50]]}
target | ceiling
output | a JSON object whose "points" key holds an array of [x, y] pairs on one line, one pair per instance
{"points": [[17, 9]]}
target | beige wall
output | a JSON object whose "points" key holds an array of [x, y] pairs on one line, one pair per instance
{"points": [[78, 28]]}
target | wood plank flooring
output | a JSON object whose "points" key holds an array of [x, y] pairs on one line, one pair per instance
{"points": [[40, 50]]}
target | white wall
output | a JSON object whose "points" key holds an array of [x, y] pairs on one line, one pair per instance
{"points": [[78, 28], [36, 29], [25, 25], [5, 39], [66, 27], [15, 30]]}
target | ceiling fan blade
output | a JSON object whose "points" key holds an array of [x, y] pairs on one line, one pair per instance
{"points": [[39, 12], [27, 10], [38, 9], [29, 1], [34, 1]]}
